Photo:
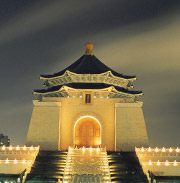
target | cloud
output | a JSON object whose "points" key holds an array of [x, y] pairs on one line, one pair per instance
{"points": [[94, 16], [40, 16]]}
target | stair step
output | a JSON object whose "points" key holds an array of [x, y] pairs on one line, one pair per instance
{"points": [[48, 167], [125, 168]]}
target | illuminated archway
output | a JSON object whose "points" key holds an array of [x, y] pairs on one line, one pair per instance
{"points": [[87, 132]]}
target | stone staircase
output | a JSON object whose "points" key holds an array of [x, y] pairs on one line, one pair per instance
{"points": [[48, 167], [87, 165], [125, 168]]}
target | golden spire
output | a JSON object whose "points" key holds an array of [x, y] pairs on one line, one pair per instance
{"points": [[88, 47]]}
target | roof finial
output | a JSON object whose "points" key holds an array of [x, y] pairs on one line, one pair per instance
{"points": [[89, 47]]}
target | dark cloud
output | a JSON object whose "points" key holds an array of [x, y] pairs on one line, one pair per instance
{"points": [[138, 37]]}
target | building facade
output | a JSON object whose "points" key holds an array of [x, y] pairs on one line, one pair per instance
{"points": [[87, 104]]}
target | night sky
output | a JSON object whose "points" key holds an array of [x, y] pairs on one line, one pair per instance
{"points": [[133, 37]]}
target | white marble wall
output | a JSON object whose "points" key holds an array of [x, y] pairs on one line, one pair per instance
{"points": [[130, 126]]}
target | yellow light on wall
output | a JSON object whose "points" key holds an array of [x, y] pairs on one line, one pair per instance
{"points": [[142, 149], [23, 161], [156, 149], [150, 162], [136, 149], [10, 148], [90, 148], [149, 149], [163, 149], [166, 163], [175, 163], [7, 161], [15, 161], [70, 148], [158, 163], [83, 148]]}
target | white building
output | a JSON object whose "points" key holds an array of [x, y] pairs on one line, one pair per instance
{"points": [[87, 104]]}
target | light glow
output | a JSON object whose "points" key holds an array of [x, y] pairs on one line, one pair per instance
{"points": [[149, 149], [37, 148], [166, 163], [150, 162], [31, 148], [87, 116], [17, 148], [156, 149], [163, 149], [23, 161], [158, 163], [142, 149], [170, 149], [15, 161], [175, 163], [7, 161], [136, 149]]}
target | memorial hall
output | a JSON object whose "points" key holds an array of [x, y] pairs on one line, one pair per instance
{"points": [[87, 104], [87, 126]]}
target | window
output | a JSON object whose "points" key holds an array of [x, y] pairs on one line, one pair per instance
{"points": [[87, 98]]}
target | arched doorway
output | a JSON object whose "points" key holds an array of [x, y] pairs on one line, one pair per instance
{"points": [[87, 132]]}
